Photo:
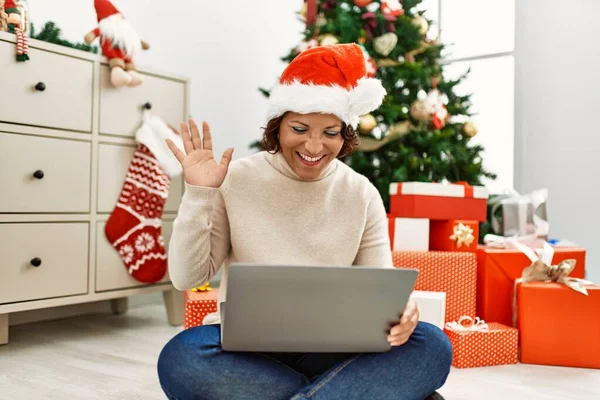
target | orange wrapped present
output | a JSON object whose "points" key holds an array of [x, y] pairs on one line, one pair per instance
{"points": [[559, 321], [454, 273], [477, 344], [198, 305], [453, 235], [438, 201], [497, 270]]}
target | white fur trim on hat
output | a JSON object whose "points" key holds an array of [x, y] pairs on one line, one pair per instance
{"points": [[348, 105]]}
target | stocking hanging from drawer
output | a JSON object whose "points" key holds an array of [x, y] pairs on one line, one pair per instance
{"points": [[134, 228]]}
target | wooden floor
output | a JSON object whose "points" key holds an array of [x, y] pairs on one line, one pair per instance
{"points": [[114, 357]]}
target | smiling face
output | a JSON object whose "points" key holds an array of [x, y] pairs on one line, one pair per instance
{"points": [[309, 142]]}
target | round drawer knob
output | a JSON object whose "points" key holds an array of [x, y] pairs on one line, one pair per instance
{"points": [[148, 106], [39, 174], [36, 262], [40, 86]]}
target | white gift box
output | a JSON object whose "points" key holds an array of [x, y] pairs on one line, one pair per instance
{"points": [[432, 307], [409, 234]]}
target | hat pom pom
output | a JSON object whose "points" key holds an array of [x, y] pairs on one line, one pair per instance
{"points": [[366, 96]]}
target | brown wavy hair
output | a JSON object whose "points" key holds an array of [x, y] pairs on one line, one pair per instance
{"points": [[270, 140]]}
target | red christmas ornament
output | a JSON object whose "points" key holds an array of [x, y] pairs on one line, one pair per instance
{"points": [[362, 3], [392, 8]]}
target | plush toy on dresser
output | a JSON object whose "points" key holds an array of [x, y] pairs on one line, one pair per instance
{"points": [[17, 22], [120, 44]]}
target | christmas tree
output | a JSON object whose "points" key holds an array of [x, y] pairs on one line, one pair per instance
{"points": [[422, 131]]}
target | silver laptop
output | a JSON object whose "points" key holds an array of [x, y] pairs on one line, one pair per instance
{"points": [[277, 308]]}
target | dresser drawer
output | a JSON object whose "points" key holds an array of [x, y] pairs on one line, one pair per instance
{"points": [[65, 102], [121, 109], [64, 185], [114, 162], [111, 273], [60, 251]]}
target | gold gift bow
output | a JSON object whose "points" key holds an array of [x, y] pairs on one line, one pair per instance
{"points": [[474, 325], [542, 270], [462, 234]]}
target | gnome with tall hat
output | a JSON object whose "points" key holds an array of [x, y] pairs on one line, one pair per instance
{"points": [[120, 43]]}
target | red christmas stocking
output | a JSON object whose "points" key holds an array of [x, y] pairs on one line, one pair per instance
{"points": [[134, 227]]}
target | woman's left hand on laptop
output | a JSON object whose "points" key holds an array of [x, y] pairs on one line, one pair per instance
{"points": [[400, 333]]}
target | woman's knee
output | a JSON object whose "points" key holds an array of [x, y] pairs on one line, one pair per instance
{"points": [[437, 348], [181, 359]]}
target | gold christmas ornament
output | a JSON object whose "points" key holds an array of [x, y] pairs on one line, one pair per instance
{"points": [[419, 111], [328, 39], [421, 23], [321, 20], [387, 62], [368, 144], [366, 124], [462, 234], [469, 129], [385, 43]]}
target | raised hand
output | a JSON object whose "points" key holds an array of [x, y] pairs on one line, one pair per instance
{"points": [[199, 166]]}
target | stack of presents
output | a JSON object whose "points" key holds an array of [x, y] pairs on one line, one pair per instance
{"points": [[518, 297]]}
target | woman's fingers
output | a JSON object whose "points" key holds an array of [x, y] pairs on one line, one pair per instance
{"points": [[196, 140], [227, 156], [187, 140], [176, 152], [206, 136]]}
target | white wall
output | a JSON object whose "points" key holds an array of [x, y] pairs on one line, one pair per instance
{"points": [[557, 107], [227, 48]]}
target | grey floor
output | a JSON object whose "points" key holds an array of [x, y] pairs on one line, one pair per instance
{"points": [[114, 357]]}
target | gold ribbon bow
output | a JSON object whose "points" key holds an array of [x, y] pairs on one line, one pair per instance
{"points": [[462, 234], [542, 272]]}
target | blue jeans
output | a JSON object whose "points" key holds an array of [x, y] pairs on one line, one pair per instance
{"points": [[193, 366]]}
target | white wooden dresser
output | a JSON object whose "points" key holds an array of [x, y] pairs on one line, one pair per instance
{"points": [[66, 141]]}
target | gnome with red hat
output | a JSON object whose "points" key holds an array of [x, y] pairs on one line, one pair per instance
{"points": [[120, 44]]}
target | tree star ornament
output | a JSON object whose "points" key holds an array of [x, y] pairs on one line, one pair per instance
{"points": [[462, 234]]}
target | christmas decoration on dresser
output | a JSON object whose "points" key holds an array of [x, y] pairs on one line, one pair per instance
{"points": [[120, 43], [134, 227], [419, 131], [17, 22], [51, 33], [3, 18]]}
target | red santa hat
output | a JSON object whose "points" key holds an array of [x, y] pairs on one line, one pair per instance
{"points": [[104, 9], [329, 80]]}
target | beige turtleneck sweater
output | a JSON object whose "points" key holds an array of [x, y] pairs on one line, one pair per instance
{"points": [[264, 213]]}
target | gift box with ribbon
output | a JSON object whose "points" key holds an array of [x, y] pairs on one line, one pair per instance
{"points": [[514, 214], [454, 273], [198, 304], [438, 201], [557, 316], [408, 233], [453, 235], [479, 344], [499, 266]]}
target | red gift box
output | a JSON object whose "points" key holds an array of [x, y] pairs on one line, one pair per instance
{"points": [[498, 346], [198, 305], [438, 201], [453, 235], [452, 272], [558, 325], [497, 270]]}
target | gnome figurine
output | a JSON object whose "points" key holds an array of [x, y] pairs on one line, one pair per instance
{"points": [[120, 43]]}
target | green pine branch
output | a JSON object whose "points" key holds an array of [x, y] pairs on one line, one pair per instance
{"points": [[52, 34]]}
